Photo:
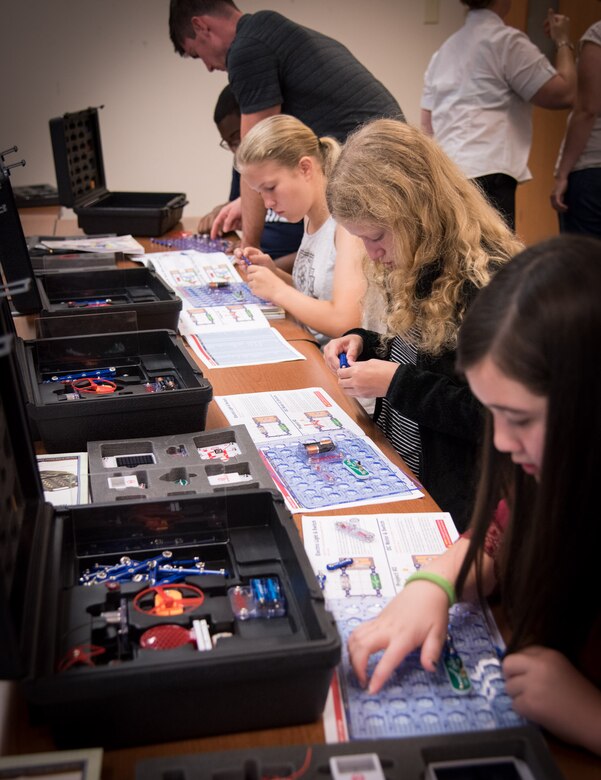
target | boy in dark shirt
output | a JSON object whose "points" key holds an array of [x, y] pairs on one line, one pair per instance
{"points": [[280, 239]]}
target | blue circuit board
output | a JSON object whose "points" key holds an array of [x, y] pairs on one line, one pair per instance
{"points": [[353, 471], [200, 242], [199, 296], [415, 702]]}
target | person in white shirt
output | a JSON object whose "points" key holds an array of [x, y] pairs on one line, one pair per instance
{"points": [[478, 91], [576, 195]]}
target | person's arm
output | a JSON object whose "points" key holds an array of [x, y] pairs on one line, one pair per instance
{"points": [[427, 99], [331, 317], [436, 399], [426, 121], [580, 125], [560, 90], [253, 210], [416, 617]]}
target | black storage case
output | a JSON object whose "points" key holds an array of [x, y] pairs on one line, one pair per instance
{"points": [[129, 289], [268, 673], [61, 294], [79, 166], [132, 411], [401, 759]]}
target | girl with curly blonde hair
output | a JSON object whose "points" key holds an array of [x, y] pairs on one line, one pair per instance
{"points": [[433, 241]]}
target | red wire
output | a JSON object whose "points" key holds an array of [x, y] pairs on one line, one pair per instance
{"points": [[91, 385], [80, 654], [297, 772]]}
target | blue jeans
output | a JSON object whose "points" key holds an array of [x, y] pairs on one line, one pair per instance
{"points": [[583, 199]]}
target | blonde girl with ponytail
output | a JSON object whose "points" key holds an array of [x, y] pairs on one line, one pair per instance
{"points": [[288, 165]]}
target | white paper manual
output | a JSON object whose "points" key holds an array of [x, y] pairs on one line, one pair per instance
{"points": [[126, 244]]}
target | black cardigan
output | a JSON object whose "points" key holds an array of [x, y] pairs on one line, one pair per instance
{"points": [[449, 418]]}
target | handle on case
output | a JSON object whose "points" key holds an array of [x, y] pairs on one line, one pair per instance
{"points": [[17, 287], [177, 202]]}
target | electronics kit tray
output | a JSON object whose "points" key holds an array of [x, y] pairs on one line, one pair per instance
{"points": [[125, 645], [118, 291], [205, 462], [400, 759], [134, 623], [85, 388]]}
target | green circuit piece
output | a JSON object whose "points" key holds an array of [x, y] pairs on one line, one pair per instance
{"points": [[356, 468]]}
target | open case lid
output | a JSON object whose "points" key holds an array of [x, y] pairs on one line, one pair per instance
{"points": [[21, 499], [78, 162], [14, 255]]}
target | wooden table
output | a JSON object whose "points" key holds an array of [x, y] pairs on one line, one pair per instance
{"points": [[575, 764]]}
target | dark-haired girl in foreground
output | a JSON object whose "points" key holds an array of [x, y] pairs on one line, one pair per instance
{"points": [[529, 347]]}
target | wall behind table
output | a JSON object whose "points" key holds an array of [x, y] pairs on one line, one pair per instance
{"points": [[157, 128]]}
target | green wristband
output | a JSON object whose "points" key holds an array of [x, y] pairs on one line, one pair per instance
{"points": [[443, 583]]}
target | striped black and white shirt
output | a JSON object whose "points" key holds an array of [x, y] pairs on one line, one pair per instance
{"points": [[399, 430]]}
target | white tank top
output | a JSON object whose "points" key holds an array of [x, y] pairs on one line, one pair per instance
{"points": [[313, 270]]}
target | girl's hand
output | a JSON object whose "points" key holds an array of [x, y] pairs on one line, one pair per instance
{"points": [[370, 379], [548, 689], [417, 617], [264, 283], [352, 345], [255, 256]]}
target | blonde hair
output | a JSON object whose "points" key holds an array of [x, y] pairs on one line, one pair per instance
{"points": [[285, 140], [444, 232]]}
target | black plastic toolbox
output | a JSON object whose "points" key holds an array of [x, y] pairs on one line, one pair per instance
{"points": [[158, 389], [79, 166], [122, 291], [400, 759], [94, 658], [116, 291]]}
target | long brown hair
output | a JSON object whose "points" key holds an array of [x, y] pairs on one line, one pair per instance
{"points": [[539, 320]]}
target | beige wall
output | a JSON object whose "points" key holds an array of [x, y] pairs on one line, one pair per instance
{"points": [[157, 129]]}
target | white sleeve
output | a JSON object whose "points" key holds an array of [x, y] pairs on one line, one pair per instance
{"points": [[526, 67]]}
